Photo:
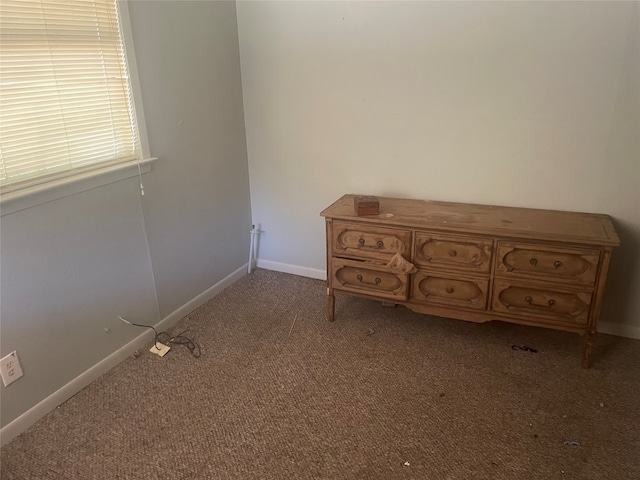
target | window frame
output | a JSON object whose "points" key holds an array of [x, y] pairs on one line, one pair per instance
{"points": [[45, 189]]}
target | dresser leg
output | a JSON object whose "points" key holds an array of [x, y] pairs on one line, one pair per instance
{"points": [[589, 340], [331, 304]]}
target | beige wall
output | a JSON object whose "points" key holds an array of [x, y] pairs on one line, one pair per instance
{"points": [[509, 103]]}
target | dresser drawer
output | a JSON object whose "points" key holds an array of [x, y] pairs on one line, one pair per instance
{"points": [[558, 305], [369, 278], [441, 289], [445, 251], [571, 265], [366, 241]]}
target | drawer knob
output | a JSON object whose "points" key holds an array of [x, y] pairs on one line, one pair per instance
{"points": [[449, 290], [529, 300], [361, 241], [557, 264], [452, 253], [380, 244], [376, 281], [533, 261]]}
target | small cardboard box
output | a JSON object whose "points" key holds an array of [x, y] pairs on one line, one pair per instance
{"points": [[366, 205]]}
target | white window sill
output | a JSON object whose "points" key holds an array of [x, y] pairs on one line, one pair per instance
{"points": [[22, 199]]}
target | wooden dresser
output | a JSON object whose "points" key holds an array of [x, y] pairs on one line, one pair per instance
{"points": [[473, 262]]}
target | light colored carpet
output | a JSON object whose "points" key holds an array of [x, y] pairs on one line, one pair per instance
{"points": [[382, 393]]}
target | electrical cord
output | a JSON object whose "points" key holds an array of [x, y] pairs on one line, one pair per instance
{"points": [[524, 348], [180, 339], [165, 338]]}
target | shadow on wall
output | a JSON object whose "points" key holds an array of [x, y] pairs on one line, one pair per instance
{"points": [[620, 291]]}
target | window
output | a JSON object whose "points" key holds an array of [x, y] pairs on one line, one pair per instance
{"points": [[66, 103]]}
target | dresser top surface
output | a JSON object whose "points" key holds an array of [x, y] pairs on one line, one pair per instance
{"points": [[572, 227]]}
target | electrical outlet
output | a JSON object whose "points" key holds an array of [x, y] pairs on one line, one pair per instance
{"points": [[10, 369]]}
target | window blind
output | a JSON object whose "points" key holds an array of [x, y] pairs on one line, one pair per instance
{"points": [[65, 98]]}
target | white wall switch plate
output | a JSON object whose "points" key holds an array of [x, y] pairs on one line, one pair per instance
{"points": [[10, 369], [160, 349]]}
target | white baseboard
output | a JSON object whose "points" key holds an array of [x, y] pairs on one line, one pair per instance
{"points": [[619, 330], [294, 269], [35, 413], [31, 416], [205, 296]]}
